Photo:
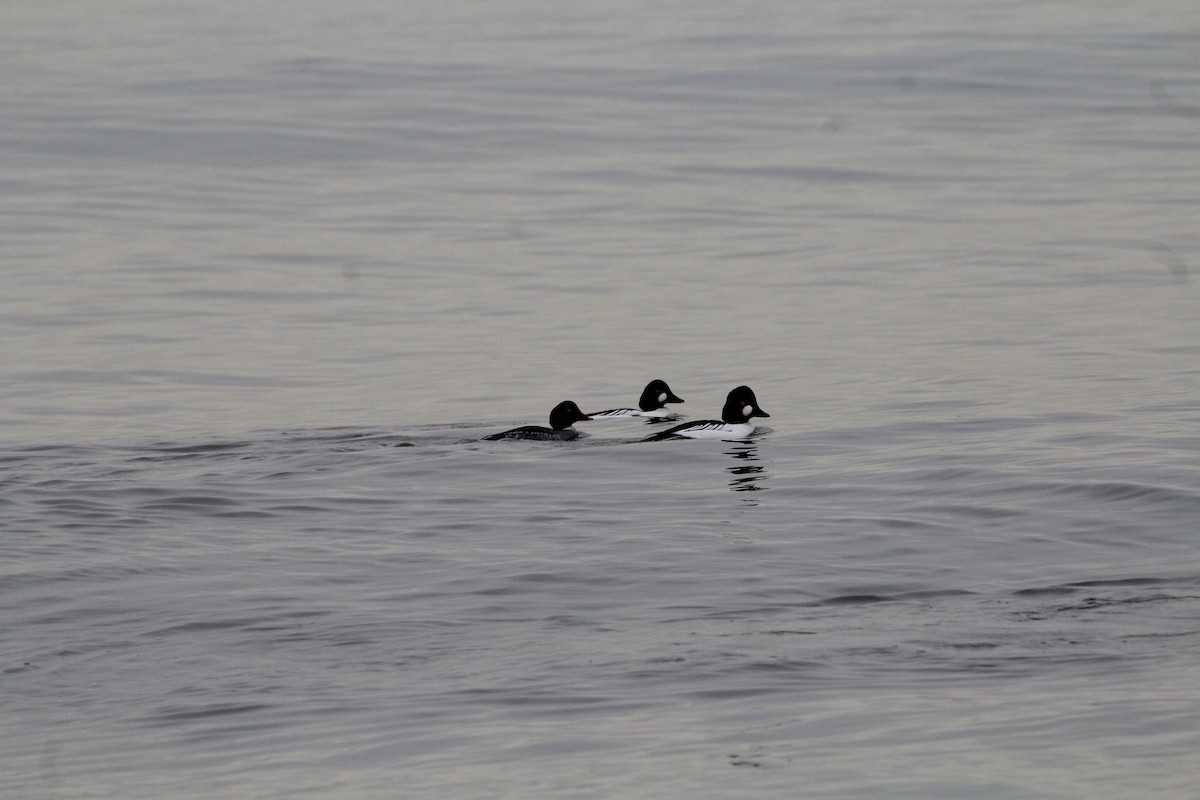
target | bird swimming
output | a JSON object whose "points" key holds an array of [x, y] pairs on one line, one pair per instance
{"points": [[740, 407], [652, 403], [562, 417]]}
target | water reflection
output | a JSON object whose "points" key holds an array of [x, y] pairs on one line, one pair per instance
{"points": [[747, 474]]}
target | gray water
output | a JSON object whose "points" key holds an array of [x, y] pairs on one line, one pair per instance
{"points": [[271, 272]]}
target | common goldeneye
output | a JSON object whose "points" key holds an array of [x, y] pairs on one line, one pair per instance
{"points": [[740, 406], [562, 417], [651, 404]]}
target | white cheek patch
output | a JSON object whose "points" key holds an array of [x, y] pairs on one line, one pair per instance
{"points": [[747, 410], [662, 398]]}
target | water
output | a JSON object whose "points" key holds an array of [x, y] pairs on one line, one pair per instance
{"points": [[270, 277]]}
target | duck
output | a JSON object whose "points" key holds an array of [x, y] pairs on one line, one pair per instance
{"points": [[740, 407], [562, 417], [651, 404]]}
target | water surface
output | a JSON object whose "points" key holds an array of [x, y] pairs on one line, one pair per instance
{"points": [[270, 278]]}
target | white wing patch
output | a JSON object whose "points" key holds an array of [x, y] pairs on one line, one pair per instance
{"points": [[614, 412], [716, 430]]}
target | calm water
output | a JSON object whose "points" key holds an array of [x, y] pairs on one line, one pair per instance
{"points": [[269, 277]]}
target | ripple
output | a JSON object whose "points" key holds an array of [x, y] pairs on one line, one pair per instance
{"points": [[1114, 492], [172, 715], [202, 626]]}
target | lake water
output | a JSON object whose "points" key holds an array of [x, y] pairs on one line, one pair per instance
{"points": [[270, 273]]}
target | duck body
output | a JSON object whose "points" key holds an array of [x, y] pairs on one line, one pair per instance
{"points": [[536, 433], [706, 429], [562, 417], [740, 407]]}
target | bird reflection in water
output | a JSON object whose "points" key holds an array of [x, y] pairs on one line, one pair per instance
{"points": [[747, 475]]}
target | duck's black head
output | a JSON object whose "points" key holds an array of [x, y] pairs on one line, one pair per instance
{"points": [[741, 405], [566, 414], [656, 395]]}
